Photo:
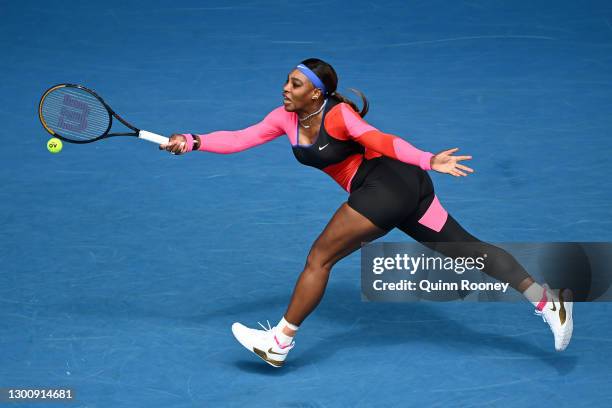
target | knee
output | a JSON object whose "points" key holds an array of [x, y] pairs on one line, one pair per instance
{"points": [[317, 263], [500, 261]]}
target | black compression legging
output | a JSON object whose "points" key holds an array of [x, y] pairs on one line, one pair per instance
{"points": [[395, 194], [454, 241]]}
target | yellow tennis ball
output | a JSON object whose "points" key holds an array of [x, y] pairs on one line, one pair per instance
{"points": [[54, 145]]}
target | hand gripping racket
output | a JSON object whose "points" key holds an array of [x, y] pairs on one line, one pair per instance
{"points": [[78, 115]]}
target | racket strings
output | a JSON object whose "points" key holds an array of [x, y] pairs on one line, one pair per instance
{"points": [[75, 114]]}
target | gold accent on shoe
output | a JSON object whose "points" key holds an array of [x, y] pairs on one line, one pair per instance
{"points": [[562, 313], [264, 357], [274, 352]]}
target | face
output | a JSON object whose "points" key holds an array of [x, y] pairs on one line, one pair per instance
{"points": [[298, 92]]}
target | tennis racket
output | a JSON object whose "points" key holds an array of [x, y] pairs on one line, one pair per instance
{"points": [[78, 115]]}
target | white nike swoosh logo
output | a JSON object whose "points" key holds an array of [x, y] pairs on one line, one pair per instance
{"points": [[323, 147]]}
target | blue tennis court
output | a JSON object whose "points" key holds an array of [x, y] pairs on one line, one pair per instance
{"points": [[123, 267]]}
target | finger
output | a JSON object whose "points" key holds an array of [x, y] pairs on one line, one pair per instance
{"points": [[450, 151], [466, 168], [460, 173], [162, 146], [172, 145], [463, 157], [178, 148]]}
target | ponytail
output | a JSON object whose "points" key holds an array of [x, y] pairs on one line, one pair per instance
{"points": [[364, 101]]}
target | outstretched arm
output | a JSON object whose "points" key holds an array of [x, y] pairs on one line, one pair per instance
{"points": [[344, 123], [225, 141], [347, 124]]}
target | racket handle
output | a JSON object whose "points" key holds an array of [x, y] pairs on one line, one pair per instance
{"points": [[152, 137]]}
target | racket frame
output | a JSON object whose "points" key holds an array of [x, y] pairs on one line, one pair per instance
{"points": [[152, 137]]}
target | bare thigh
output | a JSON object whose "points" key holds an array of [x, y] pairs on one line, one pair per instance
{"points": [[344, 233]]}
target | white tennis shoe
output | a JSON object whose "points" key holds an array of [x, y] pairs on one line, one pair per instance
{"points": [[263, 343], [557, 312]]}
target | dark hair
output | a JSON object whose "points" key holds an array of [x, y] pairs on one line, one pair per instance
{"points": [[327, 74]]}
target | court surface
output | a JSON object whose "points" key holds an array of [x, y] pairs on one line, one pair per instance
{"points": [[123, 268]]}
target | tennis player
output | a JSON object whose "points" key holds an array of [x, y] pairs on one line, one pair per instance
{"points": [[389, 187]]}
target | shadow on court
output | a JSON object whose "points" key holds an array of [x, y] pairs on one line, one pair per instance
{"points": [[367, 327]]}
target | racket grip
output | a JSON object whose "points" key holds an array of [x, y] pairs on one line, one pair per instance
{"points": [[152, 137]]}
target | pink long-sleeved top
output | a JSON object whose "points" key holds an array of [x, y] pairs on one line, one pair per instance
{"points": [[345, 141]]}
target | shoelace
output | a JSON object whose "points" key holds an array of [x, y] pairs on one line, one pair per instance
{"points": [[264, 327], [539, 313], [269, 328]]}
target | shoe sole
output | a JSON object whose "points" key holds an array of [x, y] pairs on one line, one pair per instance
{"points": [[259, 353], [264, 356]]}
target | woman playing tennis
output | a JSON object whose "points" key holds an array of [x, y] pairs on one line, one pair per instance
{"points": [[388, 185]]}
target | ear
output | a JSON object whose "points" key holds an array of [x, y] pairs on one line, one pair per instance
{"points": [[316, 94]]}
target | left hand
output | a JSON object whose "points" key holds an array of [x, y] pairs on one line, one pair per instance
{"points": [[445, 162]]}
